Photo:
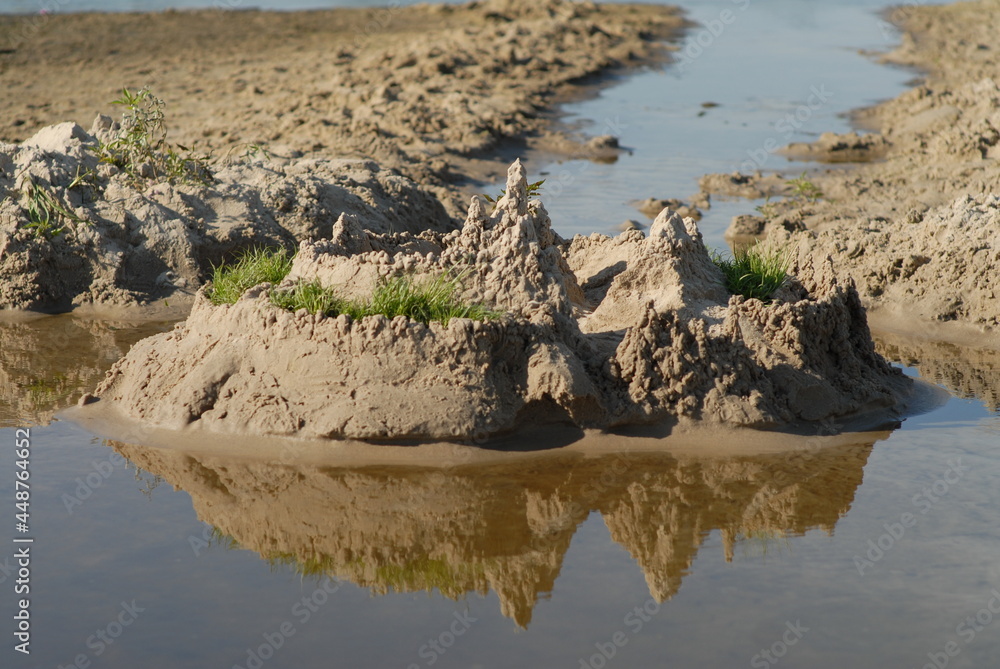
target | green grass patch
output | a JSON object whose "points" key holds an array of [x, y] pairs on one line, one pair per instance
{"points": [[313, 297], [434, 299], [253, 267], [755, 271], [431, 299], [768, 210], [425, 299]]}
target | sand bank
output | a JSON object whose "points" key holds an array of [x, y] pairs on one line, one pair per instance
{"points": [[430, 90], [291, 109], [915, 221]]}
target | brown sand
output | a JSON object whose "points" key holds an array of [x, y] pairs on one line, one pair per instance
{"points": [[431, 90], [918, 228], [646, 330], [434, 93], [598, 333]]}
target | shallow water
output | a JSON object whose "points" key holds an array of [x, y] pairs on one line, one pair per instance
{"points": [[781, 71], [604, 557]]}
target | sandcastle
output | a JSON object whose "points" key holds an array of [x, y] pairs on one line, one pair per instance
{"points": [[599, 332]]}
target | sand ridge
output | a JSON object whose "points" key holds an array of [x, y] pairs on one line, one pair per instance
{"points": [[135, 243], [432, 91]]}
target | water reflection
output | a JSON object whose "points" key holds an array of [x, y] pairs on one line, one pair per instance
{"points": [[47, 362], [965, 371], [507, 526]]}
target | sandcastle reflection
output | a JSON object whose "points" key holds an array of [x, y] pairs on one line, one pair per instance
{"points": [[506, 527]]}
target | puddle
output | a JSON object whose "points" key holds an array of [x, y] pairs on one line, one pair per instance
{"points": [[46, 363], [863, 550]]}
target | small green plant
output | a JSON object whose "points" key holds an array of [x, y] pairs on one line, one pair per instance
{"points": [[803, 188], [254, 151], [311, 296], [43, 210], [768, 210], [429, 300], [250, 152], [534, 190], [255, 266], [140, 149], [83, 178], [755, 271]]}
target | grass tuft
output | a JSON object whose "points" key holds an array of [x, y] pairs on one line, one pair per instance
{"points": [[140, 148], [426, 300], [255, 266], [803, 188], [44, 211], [756, 271], [429, 300], [311, 296]]}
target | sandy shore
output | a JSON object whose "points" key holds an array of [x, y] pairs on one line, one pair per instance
{"points": [[304, 116], [915, 220], [431, 90]]}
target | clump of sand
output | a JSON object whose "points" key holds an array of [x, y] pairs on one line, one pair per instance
{"points": [[939, 266], [136, 242], [598, 332]]}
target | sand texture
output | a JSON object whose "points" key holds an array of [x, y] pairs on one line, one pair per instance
{"points": [[915, 222], [291, 109], [598, 332], [425, 89], [135, 242]]}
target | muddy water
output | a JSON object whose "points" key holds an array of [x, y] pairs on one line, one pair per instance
{"points": [[862, 550]]}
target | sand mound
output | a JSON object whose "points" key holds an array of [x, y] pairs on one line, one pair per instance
{"points": [[126, 242], [598, 332], [941, 266]]}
